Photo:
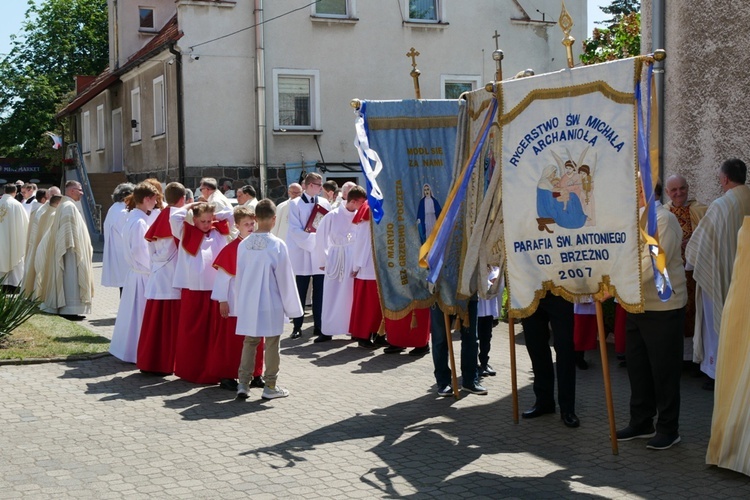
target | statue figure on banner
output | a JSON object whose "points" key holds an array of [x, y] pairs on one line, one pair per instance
{"points": [[565, 194], [428, 212]]}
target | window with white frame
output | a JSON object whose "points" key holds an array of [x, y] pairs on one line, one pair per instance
{"points": [[135, 114], [146, 20], [333, 8], [86, 132], [159, 108], [452, 86], [100, 140], [424, 11], [296, 99]]}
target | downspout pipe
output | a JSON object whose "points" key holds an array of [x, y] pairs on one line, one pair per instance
{"points": [[260, 98], [657, 42], [180, 116]]}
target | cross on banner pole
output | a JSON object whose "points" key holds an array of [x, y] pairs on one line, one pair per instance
{"points": [[414, 71]]}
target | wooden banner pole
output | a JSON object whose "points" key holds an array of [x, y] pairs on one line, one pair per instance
{"points": [[605, 376], [451, 357], [513, 378]]}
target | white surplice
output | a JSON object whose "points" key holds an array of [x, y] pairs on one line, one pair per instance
{"points": [[163, 256], [195, 272], [127, 330], [265, 290], [301, 244], [334, 248], [281, 228], [114, 267]]}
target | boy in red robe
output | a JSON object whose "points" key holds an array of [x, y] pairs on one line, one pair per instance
{"points": [[226, 345], [200, 244]]}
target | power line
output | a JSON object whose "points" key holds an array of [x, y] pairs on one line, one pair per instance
{"points": [[254, 25]]}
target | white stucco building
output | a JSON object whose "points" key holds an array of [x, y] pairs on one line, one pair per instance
{"points": [[243, 88]]}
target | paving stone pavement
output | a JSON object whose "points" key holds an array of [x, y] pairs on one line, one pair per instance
{"points": [[358, 424]]}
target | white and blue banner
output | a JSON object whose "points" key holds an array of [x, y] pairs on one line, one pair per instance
{"points": [[569, 185], [407, 151]]}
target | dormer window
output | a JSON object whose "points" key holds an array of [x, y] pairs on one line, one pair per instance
{"points": [[146, 19]]}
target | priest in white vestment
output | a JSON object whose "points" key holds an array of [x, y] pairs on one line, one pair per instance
{"points": [[14, 227], [334, 253], [729, 446], [246, 196], [39, 225], [127, 330], [114, 267], [710, 253], [282, 211], [67, 284]]}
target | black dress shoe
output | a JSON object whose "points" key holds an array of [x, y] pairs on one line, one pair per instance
{"points": [[487, 371], [379, 340], [296, 333], [366, 344], [420, 351], [537, 411], [322, 338], [392, 349], [570, 419]]}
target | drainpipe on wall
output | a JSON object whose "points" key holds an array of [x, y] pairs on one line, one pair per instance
{"points": [[657, 42], [260, 97], [180, 116]]}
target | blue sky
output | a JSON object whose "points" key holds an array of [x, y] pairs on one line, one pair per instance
{"points": [[12, 14]]}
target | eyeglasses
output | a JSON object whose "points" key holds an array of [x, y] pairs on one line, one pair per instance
{"points": [[316, 184]]}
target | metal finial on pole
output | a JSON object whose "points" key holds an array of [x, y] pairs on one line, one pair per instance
{"points": [[566, 24], [414, 71], [497, 56]]}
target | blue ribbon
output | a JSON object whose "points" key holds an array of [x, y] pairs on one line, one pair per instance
{"points": [[436, 253], [661, 281]]}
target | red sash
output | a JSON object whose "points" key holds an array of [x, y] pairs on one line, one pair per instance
{"points": [[227, 258], [363, 214], [192, 237], [161, 228]]}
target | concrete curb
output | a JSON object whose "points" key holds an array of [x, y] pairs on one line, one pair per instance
{"points": [[38, 361]]}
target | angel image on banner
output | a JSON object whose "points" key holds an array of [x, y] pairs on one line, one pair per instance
{"points": [[565, 194]]}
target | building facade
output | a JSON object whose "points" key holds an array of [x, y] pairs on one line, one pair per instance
{"points": [[260, 92]]}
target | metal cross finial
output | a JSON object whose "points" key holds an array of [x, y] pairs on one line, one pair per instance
{"points": [[496, 37], [413, 54]]}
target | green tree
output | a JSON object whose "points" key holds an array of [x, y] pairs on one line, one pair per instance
{"points": [[619, 9], [621, 40], [59, 39]]}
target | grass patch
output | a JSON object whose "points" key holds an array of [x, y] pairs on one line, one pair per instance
{"points": [[50, 336]]}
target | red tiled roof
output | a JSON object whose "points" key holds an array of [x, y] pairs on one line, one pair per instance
{"points": [[168, 34]]}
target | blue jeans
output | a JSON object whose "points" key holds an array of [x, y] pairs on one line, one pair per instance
{"points": [[469, 348]]}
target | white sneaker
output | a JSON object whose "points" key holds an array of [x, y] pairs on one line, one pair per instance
{"points": [[274, 393], [243, 391]]}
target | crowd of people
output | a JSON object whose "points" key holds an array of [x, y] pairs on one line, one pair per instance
{"points": [[206, 289]]}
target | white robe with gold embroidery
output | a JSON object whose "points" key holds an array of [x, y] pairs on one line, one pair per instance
{"points": [[38, 227], [14, 225], [710, 252], [67, 285]]}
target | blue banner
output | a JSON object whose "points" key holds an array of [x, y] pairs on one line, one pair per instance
{"points": [[407, 152]]}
